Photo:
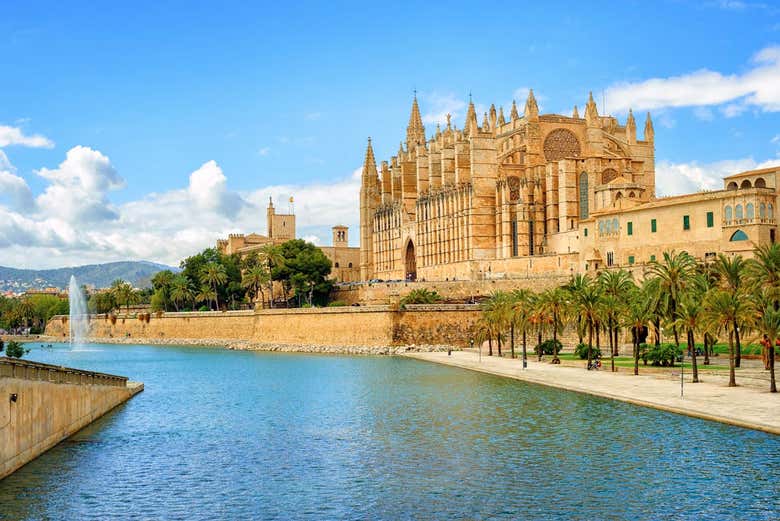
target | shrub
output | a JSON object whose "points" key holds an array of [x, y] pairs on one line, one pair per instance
{"points": [[547, 347], [582, 351], [663, 355], [421, 296], [204, 308], [15, 350], [337, 304]]}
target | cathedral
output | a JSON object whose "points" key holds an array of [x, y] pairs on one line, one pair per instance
{"points": [[535, 194]]}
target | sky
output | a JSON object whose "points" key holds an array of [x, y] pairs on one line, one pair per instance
{"points": [[147, 130]]}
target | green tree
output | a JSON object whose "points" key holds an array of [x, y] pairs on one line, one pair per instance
{"points": [[675, 273], [723, 309], [615, 285], [180, 290], [15, 350], [690, 318], [214, 274], [768, 327], [763, 274], [587, 303], [555, 304], [124, 294], [522, 302], [730, 272], [254, 279], [303, 271], [271, 256], [636, 315]]}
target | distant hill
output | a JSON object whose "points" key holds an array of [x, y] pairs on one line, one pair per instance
{"points": [[138, 273]]}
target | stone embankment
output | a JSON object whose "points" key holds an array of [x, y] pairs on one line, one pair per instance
{"points": [[42, 404]]}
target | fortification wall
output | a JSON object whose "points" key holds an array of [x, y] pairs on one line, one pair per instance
{"points": [[378, 293], [43, 404]]}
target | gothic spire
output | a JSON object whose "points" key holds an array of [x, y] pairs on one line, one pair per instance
{"points": [[630, 127], [485, 123], [471, 117], [591, 112], [369, 164], [493, 116], [514, 115], [415, 131], [531, 108], [501, 120], [649, 132], [575, 113]]}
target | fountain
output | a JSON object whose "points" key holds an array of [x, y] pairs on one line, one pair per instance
{"points": [[79, 316]]}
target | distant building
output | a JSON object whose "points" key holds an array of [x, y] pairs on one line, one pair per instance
{"points": [[281, 228]]}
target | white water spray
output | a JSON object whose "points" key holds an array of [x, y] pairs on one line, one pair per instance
{"points": [[79, 316]]}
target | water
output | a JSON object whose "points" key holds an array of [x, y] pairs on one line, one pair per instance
{"points": [[78, 321], [238, 435]]}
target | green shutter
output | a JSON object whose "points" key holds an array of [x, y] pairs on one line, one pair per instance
{"points": [[686, 222], [630, 228], [652, 226], [710, 220], [586, 232], [652, 257], [630, 259]]}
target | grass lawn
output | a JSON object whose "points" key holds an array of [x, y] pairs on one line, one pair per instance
{"points": [[627, 361]]}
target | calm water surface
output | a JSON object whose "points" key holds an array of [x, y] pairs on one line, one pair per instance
{"points": [[236, 435]]}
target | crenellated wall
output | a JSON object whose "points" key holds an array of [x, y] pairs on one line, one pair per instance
{"points": [[41, 405]]}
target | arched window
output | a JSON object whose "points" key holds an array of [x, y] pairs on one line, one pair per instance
{"points": [[739, 235], [615, 226], [727, 214], [750, 211], [584, 196], [745, 184], [601, 228], [732, 186], [738, 212], [337, 265], [770, 212], [619, 195], [760, 183], [350, 264], [631, 195], [762, 211]]}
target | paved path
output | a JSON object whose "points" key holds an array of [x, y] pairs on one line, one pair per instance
{"points": [[747, 407]]}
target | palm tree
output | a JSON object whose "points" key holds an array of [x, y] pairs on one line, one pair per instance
{"points": [[768, 326], [25, 310], [723, 309], [180, 290], [731, 274], [674, 273], [575, 286], [763, 273], [254, 278], [587, 302], [214, 275], [616, 284], [524, 301], [611, 308], [498, 310], [689, 319], [636, 315], [206, 294], [124, 293], [555, 305], [272, 257], [484, 330]]}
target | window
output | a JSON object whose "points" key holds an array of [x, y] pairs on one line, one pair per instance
{"points": [[762, 211], [586, 232], [738, 215], [610, 258], [615, 227], [770, 212], [750, 211], [350, 264], [630, 259], [653, 227], [710, 220], [652, 258], [584, 196], [686, 222], [739, 235], [629, 228], [337, 264], [515, 245], [727, 214]]}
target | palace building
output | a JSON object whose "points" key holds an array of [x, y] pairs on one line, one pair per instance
{"points": [[542, 193], [281, 228]]}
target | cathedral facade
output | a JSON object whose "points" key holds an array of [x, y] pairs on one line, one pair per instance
{"points": [[533, 194]]}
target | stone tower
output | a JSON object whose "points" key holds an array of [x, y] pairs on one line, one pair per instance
{"points": [[369, 202], [281, 227]]}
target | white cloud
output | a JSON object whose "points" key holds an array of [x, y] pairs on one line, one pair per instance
{"points": [[73, 222], [13, 187], [264, 151], [437, 106], [775, 140], [683, 178], [703, 113], [15, 136], [758, 86]]}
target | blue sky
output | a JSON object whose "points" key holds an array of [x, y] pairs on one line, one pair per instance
{"points": [[211, 108]]}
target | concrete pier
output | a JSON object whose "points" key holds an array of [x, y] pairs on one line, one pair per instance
{"points": [[42, 404]]}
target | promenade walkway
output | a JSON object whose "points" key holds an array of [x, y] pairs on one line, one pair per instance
{"points": [[747, 407]]}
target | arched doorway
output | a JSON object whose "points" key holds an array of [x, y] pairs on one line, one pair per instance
{"points": [[411, 262]]}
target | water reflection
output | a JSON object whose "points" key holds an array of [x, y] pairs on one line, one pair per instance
{"points": [[226, 435]]}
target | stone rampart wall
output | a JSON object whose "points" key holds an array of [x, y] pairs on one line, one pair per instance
{"points": [[42, 405]]}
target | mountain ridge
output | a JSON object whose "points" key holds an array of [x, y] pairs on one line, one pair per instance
{"points": [[138, 273]]}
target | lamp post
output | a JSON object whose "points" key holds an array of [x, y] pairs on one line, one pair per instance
{"points": [[682, 371]]}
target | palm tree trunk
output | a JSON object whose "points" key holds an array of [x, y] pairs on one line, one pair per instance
{"points": [[555, 340], [216, 296], [657, 327], [772, 384], [490, 346], [590, 341], [692, 348], [737, 346], [498, 339], [512, 339], [612, 339], [539, 343], [525, 353], [636, 350], [732, 376], [706, 349]]}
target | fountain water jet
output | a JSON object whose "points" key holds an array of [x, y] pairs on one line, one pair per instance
{"points": [[79, 316]]}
